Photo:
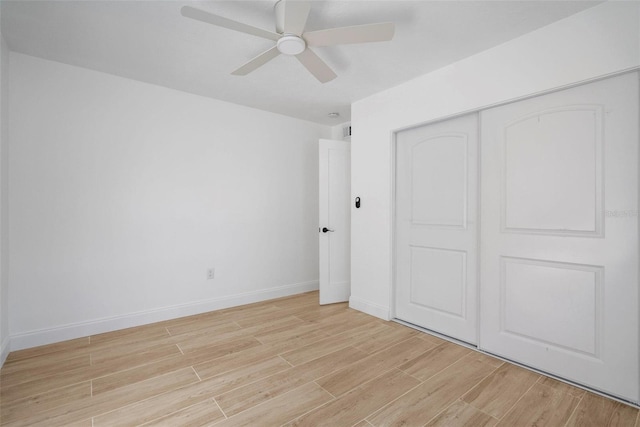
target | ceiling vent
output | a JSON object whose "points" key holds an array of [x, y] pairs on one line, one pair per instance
{"points": [[346, 132]]}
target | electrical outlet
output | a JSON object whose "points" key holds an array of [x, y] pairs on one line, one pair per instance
{"points": [[211, 273]]}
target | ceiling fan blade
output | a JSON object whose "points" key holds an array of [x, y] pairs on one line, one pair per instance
{"points": [[348, 35], [256, 62], [316, 66], [201, 15], [295, 16]]}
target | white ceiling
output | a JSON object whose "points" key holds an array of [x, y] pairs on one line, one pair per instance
{"points": [[150, 41]]}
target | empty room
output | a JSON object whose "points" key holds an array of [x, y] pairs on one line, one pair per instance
{"points": [[336, 212]]}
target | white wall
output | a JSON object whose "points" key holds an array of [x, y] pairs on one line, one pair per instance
{"points": [[4, 193], [599, 41], [123, 194]]}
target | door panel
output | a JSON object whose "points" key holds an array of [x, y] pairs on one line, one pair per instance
{"points": [[438, 279], [569, 293], [553, 171], [442, 158], [335, 193], [559, 240], [436, 186]]}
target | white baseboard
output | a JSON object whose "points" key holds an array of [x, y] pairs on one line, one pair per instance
{"points": [[370, 308], [4, 350], [98, 326]]}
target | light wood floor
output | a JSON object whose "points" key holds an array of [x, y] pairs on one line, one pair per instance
{"points": [[284, 362]]}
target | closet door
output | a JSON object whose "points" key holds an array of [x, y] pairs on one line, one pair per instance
{"points": [[559, 251], [436, 219]]}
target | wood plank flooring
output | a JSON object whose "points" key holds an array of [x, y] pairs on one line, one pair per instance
{"points": [[284, 362]]}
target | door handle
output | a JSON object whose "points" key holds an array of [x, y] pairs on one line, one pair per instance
{"points": [[325, 229]]}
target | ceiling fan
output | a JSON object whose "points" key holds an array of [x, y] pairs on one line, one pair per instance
{"points": [[291, 39]]}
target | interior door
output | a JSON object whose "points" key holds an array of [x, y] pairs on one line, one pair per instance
{"points": [[436, 227], [559, 253], [335, 221]]}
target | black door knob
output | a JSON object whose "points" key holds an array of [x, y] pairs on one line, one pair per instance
{"points": [[325, 229]]}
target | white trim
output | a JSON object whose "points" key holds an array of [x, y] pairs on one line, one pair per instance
{"points": [[83, 329], [369, 308], [4, 350], [392, 234]]}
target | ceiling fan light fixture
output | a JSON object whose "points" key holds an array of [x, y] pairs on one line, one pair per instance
{"points": [[290, 44]]}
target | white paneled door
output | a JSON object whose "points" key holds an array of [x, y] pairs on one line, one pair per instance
{"points": [[335, 221], [559, 252], [436, 227]]}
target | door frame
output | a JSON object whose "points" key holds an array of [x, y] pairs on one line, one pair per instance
{"points": [[393, 145]]}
